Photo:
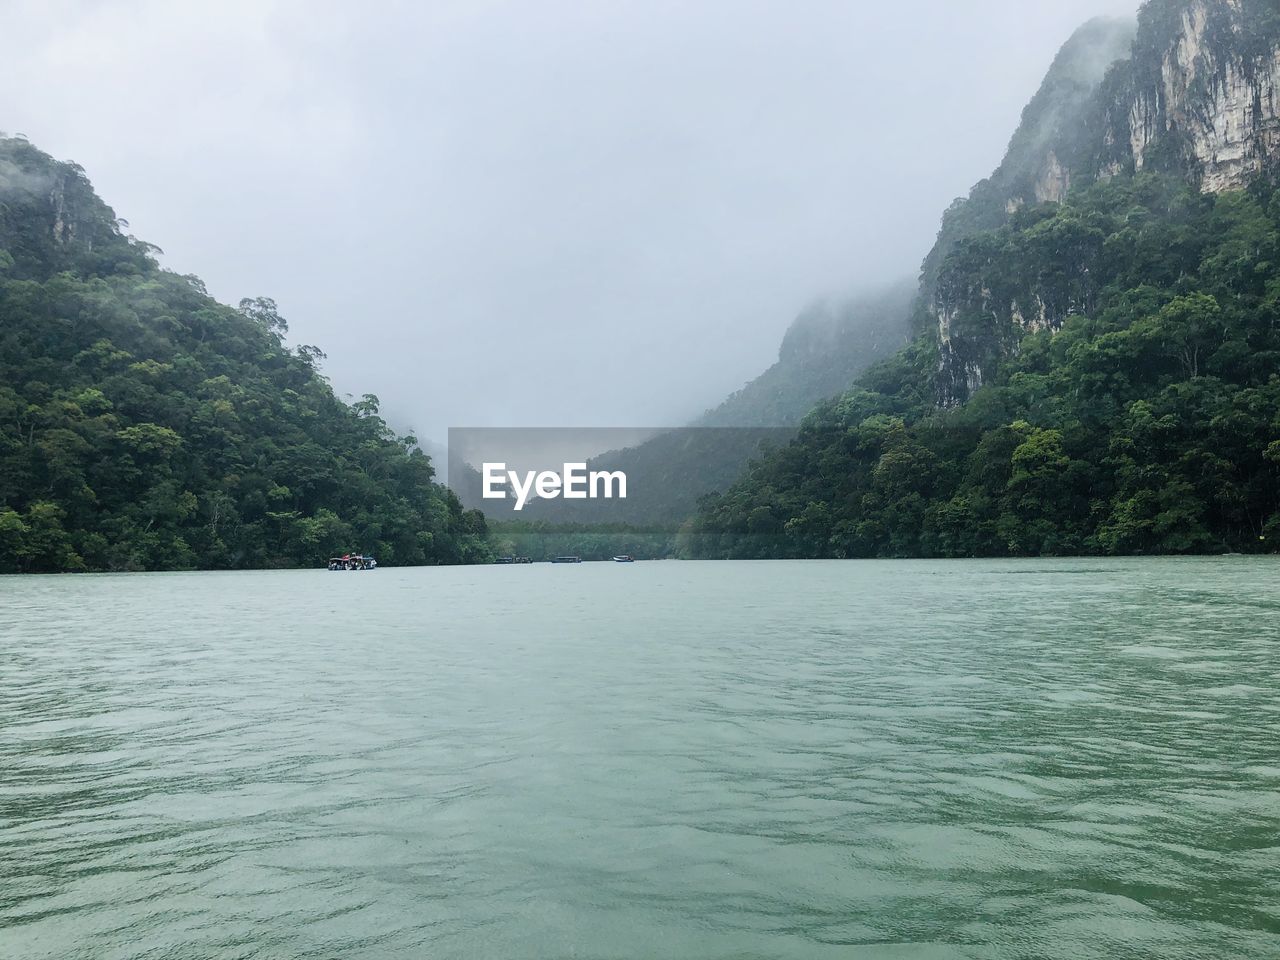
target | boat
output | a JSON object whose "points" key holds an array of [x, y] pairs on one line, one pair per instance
{"points": [[352, 561], [625, 558], [566, 559]]}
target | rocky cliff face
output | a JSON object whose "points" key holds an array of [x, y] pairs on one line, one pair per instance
{"points": [[49, 214], [1198, 93], [1212, 96], [1038, 165]]}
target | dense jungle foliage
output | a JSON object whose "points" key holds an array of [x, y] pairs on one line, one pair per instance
{"points": [[1145, 420], [145, 426]]}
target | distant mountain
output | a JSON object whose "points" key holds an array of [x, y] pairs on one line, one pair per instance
{"points": [[145, 426], [1096, 366], [822, 351], [825, 348]]}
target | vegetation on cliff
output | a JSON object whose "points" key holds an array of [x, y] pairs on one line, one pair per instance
{"points": [[1148, 422], [1055, 138], [145, 426], [1097, 373]]}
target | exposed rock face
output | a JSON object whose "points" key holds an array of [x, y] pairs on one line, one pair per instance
{"points": [[1199, 93], [48, 210], [1053, 181], [1040, 162], [980, 323], [1217, 94], [64, 221], [960, 371]]}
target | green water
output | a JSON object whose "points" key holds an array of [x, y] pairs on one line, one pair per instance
{"points": [[693, 760]]}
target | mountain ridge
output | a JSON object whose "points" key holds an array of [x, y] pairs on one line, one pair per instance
{"points": [[1198, 97], [144, 425], [1095, 373]]}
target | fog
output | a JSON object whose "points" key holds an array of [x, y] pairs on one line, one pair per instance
{"points": [[550, 214]]}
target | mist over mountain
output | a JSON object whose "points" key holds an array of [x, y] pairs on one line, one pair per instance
{"points": [[831, 343], [823, 350], [552, 214], [1195, 99], [1087, 364], [1047, 143], [1097, 364]]}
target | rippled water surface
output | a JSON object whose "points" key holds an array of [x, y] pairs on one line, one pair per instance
{"points": [[953, 759]]}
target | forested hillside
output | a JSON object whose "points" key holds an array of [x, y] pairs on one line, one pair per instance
{"points": [[145, 426], [1148, 422], [1097, 360]]}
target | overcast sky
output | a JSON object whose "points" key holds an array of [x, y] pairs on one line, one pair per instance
{"points": [[533, 213]]}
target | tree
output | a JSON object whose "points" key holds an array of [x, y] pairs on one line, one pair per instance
{"points": [[263, 311]]}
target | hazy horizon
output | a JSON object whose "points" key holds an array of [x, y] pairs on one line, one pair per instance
{"points": [[495, 215]]}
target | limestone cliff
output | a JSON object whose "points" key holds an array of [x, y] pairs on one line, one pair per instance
{"points": [[1198, 94], [50, 215], [1205, 94], [1038, 165]]}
